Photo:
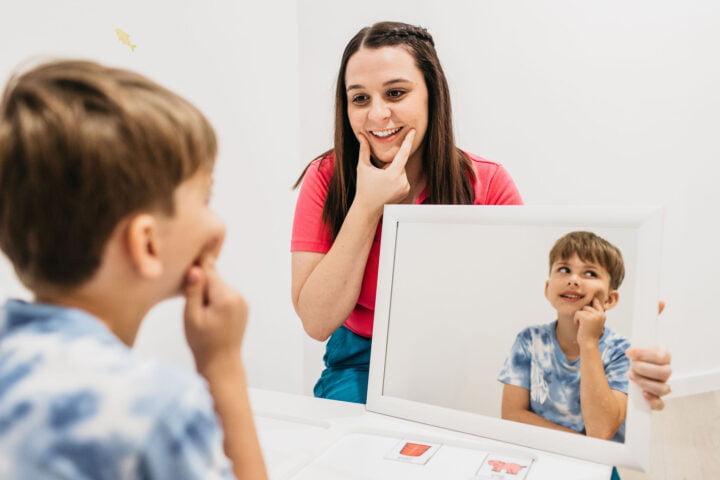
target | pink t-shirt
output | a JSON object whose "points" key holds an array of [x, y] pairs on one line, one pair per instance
{"points": [[493, 186]]}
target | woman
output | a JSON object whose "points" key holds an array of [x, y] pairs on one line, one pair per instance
{"points": [[394, 143]]}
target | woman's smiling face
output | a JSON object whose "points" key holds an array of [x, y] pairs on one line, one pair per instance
{"points": [[387, 97]]}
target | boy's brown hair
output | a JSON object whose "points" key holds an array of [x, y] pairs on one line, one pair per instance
{"points": [[591, 248], [83, 145]]}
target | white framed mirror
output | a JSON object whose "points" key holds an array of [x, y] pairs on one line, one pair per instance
{"points": [[456, 284]]}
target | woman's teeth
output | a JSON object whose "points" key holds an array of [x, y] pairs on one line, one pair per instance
{"points": [[386, 133]]}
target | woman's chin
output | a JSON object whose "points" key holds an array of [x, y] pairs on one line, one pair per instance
{"points": [[383, 158]]}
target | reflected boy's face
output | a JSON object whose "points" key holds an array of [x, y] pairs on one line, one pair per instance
{"points": [[574, 283], [193, 230]]}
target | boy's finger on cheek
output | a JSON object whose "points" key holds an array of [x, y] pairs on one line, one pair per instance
{"points": [[209, 266], [598, 304], [194, 294], [193, 278], [201, 260], [218, 290]]}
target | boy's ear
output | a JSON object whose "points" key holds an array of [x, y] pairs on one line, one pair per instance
{"points": [[143, 241], [612, 299], [547, 284]]}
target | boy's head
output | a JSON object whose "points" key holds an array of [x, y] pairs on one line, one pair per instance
{"points": [[583, 266], [83, 147]]}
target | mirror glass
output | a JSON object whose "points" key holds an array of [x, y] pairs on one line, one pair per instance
{"points": [[458, 284]]}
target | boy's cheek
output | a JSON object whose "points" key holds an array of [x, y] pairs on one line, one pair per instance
{"points": [[211, 248], [217, 237]]}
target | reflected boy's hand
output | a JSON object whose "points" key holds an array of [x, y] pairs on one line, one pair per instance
{"points": [[215, 315], [591, 322]]}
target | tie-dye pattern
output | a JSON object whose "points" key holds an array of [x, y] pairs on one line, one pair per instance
{"points": [[538, 364], [75, 403]]}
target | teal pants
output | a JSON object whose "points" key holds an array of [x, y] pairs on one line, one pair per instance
{"points": [[347, 361]]}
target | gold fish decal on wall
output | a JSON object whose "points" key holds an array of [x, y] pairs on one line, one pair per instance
{"points": [[124, 38]]}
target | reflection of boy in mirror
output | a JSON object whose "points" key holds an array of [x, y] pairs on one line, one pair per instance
{"points": [[571, 374]]}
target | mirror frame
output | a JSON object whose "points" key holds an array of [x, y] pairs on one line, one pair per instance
{"points": [[647, 222]]}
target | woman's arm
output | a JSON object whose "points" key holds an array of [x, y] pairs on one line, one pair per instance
{"points": [[516, 407], [326, 287]]}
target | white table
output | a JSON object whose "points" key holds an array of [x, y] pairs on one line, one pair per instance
{"points": [[305, 438]]}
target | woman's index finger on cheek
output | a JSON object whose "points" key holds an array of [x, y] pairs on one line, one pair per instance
{"points": [[401, 158]]}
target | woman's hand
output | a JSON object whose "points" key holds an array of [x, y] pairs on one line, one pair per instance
{"points": [[326, 286], [379, 186], [650, 370]]}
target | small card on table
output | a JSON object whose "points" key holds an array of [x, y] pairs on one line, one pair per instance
{"points": [[412, 451], [503, 467]]}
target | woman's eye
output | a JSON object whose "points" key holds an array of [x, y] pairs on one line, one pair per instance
{"points": [[395, 93], [359, 99]]}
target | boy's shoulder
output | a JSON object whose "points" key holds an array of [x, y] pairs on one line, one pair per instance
{"points": [[41, 339], [74, 391], [612, 340], [543, 332]]}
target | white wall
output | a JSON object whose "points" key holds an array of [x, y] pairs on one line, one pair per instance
{"points": [[238, 63], [586, 103]]}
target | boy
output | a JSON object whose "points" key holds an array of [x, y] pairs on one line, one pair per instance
{"points": [[571, 374], [105, 178]]}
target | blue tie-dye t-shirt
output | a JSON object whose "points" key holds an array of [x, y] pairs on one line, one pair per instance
{"points": [[76, 403], [538, 364]]}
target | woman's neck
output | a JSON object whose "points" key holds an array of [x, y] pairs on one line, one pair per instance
{"points": [[416, 177]]}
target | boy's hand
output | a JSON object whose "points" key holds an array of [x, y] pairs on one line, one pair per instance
{"points": [[215, 315], [591, 321], [215, 319]]}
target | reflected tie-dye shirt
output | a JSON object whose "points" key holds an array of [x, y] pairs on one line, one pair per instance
{"points": [[537, 363], [76, 403]]}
